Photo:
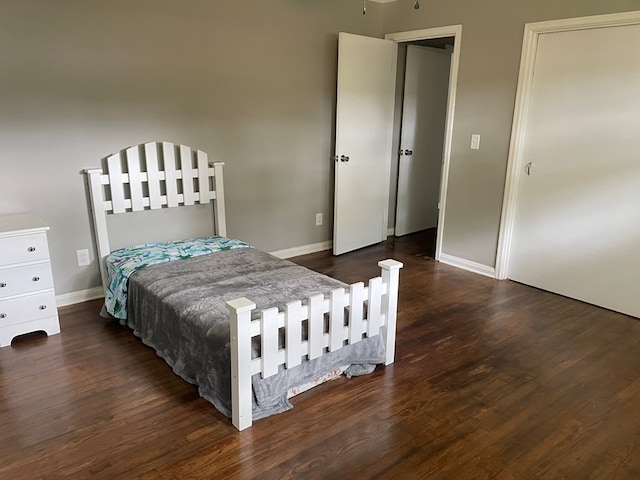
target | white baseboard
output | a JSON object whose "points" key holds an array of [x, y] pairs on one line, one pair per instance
{"points": [[79, 296], [391, 232], [303, 250], [468, 265]]}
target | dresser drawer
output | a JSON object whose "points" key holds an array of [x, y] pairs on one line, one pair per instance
{"points": [[27, 279], [23, 248], [29, 307]]}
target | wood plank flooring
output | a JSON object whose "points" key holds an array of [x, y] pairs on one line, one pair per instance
{"points": [[492, 380]]}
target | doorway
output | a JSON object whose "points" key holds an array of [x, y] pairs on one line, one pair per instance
{"points": [[431, 178], [423, 90], [358, 57]]}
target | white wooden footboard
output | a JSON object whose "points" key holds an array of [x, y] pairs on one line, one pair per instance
{"points": [[379, 300]]}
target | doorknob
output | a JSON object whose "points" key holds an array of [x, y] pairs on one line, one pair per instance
{"points": [[344, 158], [527, 168], [408, 152]]}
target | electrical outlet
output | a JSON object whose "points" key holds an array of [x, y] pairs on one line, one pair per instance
{"points": [[83, 257], [318, 219]]}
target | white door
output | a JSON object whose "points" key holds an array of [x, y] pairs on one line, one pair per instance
{"points": [[424, 115], [577, 220], [364, 129]]}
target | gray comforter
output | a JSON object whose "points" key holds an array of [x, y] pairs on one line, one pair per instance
{"points": [[178, 308]]}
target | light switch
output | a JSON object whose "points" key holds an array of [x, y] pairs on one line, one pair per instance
{"points": [[475, 141]]}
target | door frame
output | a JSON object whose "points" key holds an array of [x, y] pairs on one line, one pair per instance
{"points": [[532, 32], [426, 34]]}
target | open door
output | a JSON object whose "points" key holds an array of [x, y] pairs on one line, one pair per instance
{"points": [[424, 115], [364, 134]]}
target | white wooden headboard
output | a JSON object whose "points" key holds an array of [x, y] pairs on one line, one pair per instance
{"points": [[152, 176]]}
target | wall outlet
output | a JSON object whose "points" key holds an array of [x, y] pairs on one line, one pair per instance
{"points": [[318, 219], [83, 257]]}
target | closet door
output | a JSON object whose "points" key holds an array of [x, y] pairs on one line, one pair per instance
{"points": [[577, 221]]}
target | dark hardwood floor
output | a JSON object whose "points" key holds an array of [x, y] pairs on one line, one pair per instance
{"points": [[492, 380]]}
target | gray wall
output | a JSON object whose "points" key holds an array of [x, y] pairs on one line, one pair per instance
{"points": [[491, 44], [252, 83]]}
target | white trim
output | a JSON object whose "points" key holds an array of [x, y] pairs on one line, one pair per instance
{"points": [[468, 265], [79, 296], [303, 249], [391, 232], [424, 34], [523, 97]]}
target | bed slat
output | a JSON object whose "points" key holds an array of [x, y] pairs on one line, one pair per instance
{"points": [[293, 332], [153, 176], [269, 342], [117, 184], [221, 220], [316, 326], [204, 192], [356, 296], [135, 179], [170, 174], [375, 292], [336, 320], [188, 174]]}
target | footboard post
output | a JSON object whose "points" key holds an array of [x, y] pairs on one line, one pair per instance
{"points": [[391, 278], [241, 393]]}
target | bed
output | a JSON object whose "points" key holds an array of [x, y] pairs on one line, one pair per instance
{"points": [[249, 329]]}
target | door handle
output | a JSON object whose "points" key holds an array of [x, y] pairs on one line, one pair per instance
{"points": [[527, 168]]}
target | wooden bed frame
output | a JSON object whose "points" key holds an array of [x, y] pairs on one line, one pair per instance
{"points": [[160, 175]]}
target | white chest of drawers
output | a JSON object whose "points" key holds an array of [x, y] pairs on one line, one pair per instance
{"points": [[27, 296]]}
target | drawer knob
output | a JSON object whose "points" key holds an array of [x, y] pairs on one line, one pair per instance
{"points": [[3, 315], [31, 249], [42, 307], [36, 279], [3, 284]]}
